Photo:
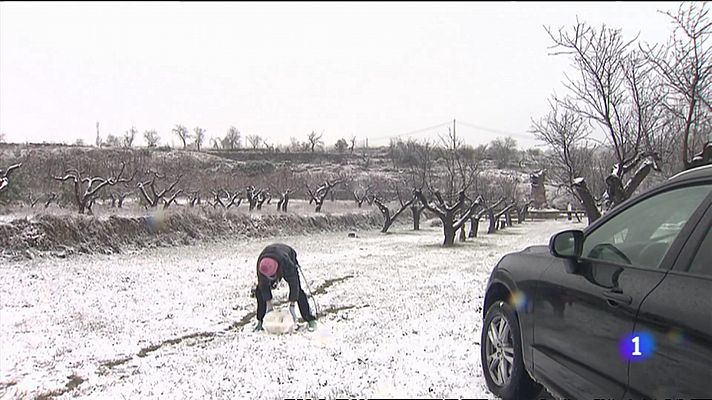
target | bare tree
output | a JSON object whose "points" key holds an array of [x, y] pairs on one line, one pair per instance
{"points": [[617, 93], [5, 176], [319, 194], [685, 65], [199, 134], [315, 140], [85, 195], [458, 171], [567, 135], [183, 134], [283, 202], [153, 196], [129, 137], [353, 144], [113, 141], [232, 139], [503, 151], [361, 194], [118, 196], [98, 141], [194, 197], [254, 141], [225, 199], [151, 137], [341, 146], [388, 218]]}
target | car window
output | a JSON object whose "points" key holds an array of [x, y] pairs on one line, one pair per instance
{"points": [[702, 263], [642, 234]]}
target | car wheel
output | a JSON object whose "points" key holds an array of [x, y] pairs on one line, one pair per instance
{"points": [[501, 354]]}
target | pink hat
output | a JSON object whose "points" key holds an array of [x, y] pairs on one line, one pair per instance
{"points": [[268, 266]]}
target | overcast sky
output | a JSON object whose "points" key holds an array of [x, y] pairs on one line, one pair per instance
{"points": [[281, 70]]}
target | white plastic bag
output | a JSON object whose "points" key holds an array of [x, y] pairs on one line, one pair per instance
{"points": [[279, 321]]}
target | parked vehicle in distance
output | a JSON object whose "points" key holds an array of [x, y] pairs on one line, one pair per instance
{"points": [[620, 309]]}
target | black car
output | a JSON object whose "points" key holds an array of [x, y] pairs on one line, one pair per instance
{"points": [[622, 309]]}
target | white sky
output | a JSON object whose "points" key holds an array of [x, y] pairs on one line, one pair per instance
{"points": [[284, 69]]}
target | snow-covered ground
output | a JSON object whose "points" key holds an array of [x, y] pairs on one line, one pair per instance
{"points": [[401, 317]]}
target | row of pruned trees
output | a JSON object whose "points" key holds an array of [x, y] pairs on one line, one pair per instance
{"points": [[444, 172]]}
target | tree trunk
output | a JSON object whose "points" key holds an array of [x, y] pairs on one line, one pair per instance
{"points": [[474, 226], [416, 211], [285, 203], [387, 221], [449, 232], [492, 221], [449, 229], [589, 203]]}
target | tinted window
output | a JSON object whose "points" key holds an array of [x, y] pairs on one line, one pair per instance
{"points": [[642, 234], [702, 263]]}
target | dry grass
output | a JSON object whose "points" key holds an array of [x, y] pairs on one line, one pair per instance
{"points": [[61, 232]]}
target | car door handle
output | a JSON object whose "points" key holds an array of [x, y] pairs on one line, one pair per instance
{"points": [[616, 297]]}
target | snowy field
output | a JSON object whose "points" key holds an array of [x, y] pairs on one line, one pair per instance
{"points": [[400, 317]]}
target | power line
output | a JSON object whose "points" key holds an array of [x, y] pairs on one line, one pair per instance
{"points": [[413, 132], [501, 132], [449, 124]]}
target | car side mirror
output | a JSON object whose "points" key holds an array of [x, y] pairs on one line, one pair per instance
{"points": [[567, 244]]}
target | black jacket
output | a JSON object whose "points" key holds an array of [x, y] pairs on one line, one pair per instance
{"points": [[286, 257]]}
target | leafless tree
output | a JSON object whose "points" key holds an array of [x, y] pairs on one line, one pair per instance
{"points": [[388, 218], [113, 141], [129, 137], [617, 93], [360, 195], [154, 195], [199, 135], [86, 189], [341, 146], [315, 140], [51, 197], [232, 139], [283, 202], [5, 176], [353, 144], [319, 194], [183, 134], [457, 173], [118, 196], [254, 141], [685, 65], [225, 199], [98, 141], [567, 135], [487, 209], [151, 137], [194, 197], [503, 151]]}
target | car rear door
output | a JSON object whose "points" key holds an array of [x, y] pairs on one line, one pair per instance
{"points": [[677, 316], [585, 312]]}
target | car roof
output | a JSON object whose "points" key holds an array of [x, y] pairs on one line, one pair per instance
{"points": [[704, 171]]}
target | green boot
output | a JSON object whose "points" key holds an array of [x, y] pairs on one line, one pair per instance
{"points": [[258, 327], [311, 326]]}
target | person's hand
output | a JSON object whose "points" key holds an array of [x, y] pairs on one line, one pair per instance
{"points": [[291, 311]]}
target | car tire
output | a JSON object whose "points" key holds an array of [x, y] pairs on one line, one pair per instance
{"points": [[501, 355]]}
